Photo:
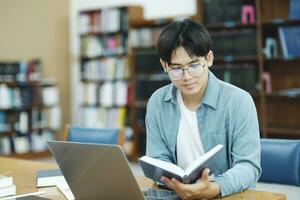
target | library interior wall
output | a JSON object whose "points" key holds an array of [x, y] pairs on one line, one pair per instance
{"points": [[39, 29], [154, 9]]}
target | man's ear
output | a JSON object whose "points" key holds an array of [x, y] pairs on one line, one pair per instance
{"points": [[210, 58], [163, 64]]}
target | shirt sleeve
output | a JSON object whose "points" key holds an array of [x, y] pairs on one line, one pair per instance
{"points": [[155, 145], [245, 151]]}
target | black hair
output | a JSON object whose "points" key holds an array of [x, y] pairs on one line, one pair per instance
{"points": [[190, 35]]}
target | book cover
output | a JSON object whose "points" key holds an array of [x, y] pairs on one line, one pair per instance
{"points": [[6, 181], [7, 191], [65, 189], [50, 177], [294, 9], [155, 168], [288, 40]]}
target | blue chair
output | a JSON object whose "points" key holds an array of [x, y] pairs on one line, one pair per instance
{"points": [[95, 135], [280, 161]]}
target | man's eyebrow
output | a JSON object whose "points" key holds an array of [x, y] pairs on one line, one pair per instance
{"points": [[193, 61]]}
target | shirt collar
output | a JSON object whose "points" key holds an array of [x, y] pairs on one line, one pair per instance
{"points": [[211, 94]]}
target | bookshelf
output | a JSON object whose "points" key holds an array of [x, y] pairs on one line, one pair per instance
{"points": [[106, 69], [282, 101], [235, 33], [29, 109], [273, 83], [239, 33], [148, 74]]}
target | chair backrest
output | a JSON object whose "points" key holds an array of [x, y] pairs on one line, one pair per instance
{"points": [[95, 135], [280, 161]]}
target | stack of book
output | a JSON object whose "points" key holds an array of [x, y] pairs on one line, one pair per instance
{"points": [[7, 188], [54, 177], [105, 21]]}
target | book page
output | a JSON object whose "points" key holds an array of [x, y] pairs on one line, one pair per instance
{"points": [[194, 165], [164, 165]]}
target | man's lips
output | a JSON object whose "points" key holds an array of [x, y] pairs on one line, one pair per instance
{"points": [[189, 85]]}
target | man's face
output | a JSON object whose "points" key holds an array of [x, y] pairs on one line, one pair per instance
{"points": [[193, 79]]}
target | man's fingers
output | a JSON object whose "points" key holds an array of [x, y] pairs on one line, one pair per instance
{"points": [[205, 173], [167, 182]]}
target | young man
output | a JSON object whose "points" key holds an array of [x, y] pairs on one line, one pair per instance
{"points": [[198, 111]]}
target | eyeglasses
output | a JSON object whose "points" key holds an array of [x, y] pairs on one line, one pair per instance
{"points": [[177, 72]]}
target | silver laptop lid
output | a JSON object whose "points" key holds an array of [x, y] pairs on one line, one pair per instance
{"points": [[96, 171]]}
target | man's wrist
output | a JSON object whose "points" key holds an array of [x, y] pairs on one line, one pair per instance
{"points": [[213, 190]]}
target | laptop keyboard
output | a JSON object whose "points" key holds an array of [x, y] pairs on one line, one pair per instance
{"points": [[156, 194]]}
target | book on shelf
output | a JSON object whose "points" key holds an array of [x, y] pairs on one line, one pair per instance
{"points": [[294, 9], [106, 94], [103, 21], [101, 117], [92, 46], [242, 75], [39, 141], [290, 92], [290, 41], [50, 95], [219, 11], [234, 42], [51, 177], [22, 71], [5, 147], [144, 37], [21, 144], [154, 168], [7, 187]]}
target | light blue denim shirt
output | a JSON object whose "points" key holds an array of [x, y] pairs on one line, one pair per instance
{"points": [[227, 115]]}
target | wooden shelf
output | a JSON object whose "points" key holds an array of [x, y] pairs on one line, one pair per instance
{"points": [[235, 59], [281, 22], [103, 81], [140, 103], [230, 25], [39, 106], [27, 83], [146, 48], [282, 60], [140, 129], [85, 105], [31, 155], [103, 34], [255, 94], [152, 77], [284, 132], [142, 23], [85, 58], [284, 96], [14, 132]]}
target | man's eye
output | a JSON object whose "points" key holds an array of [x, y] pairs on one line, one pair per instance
{"points": [[194, 65], [175, 67]]}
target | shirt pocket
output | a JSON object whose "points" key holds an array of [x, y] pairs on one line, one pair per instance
{"points": [[219, 131], [218, 136]]}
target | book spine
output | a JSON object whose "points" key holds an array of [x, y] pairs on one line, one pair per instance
{"points": [[186, 179]]}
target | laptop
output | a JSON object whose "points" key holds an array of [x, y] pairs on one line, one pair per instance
{"points": [[100, 171]]}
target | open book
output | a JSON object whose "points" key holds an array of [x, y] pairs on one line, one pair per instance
{"points": [[155, 168]]}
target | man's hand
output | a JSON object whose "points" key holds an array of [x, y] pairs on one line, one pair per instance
{"points": [[203, 188]]}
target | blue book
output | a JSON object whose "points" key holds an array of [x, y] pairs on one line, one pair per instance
{"points": [[289, 40], [294, 9]]}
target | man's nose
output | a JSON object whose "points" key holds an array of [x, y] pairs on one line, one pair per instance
{"points": [[186, 75]]}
